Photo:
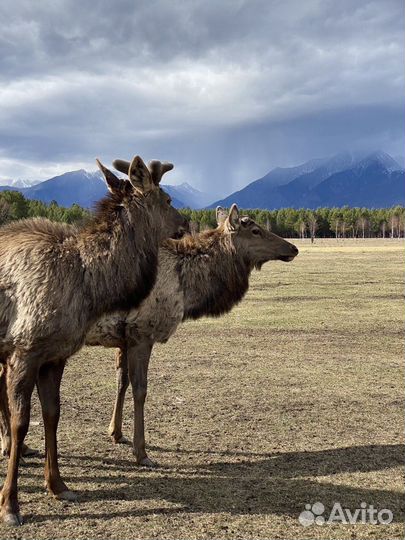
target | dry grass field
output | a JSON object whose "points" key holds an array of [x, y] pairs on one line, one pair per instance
{"points": [[295, 397]]}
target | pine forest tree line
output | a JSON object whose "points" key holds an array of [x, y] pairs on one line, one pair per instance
{"points": [[343, 222]]}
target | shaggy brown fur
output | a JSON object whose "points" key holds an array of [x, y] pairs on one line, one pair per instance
{"points": [[228, 273], [203, 275], [55, 281]]}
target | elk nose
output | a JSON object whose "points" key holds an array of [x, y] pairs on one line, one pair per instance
{"points": [[295, 250]]}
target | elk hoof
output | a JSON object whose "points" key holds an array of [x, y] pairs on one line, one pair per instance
{"points": [[122, 440], [146, 462], [67, 495], [12, 520], [26, 451], [29, 452]]}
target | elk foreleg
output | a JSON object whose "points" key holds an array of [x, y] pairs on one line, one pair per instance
{"points": [[5, 427], [21, 376], [138, 361]]}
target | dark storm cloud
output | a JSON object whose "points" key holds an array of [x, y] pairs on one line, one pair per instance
{"points": [[224, 89]]}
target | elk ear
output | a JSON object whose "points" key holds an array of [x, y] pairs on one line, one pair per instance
{"points": [[221, 215], [139, 175], [233, 220], [114, 184]]}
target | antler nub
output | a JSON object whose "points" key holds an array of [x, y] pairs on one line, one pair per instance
{"points": [[156, 168]]}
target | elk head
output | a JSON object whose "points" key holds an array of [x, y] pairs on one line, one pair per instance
{"points": [[255, 244], [142, 187]]}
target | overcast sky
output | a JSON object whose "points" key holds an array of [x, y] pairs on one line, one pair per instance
{"points": [[225, 89]]}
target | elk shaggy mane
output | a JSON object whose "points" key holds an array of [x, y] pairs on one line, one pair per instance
{"points": [[211, 270]]}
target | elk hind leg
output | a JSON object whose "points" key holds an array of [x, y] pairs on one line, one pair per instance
{"points": [[48, 384]]}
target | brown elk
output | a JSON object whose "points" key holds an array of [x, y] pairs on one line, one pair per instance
{"points": [[55, 282], [197, 276]]}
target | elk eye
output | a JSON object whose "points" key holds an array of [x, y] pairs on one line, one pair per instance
{"points": [[169, 201], [255, 231]]}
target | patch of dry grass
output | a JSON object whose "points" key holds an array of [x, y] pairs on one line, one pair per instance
{"points": [[294, 397]]}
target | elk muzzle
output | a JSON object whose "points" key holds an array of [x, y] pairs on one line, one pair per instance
{"points": [[289, 258]]}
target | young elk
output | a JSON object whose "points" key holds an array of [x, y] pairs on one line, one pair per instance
{"points": [[55, 282], [198, 276]]}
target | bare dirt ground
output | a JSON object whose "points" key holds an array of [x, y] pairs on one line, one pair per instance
{"points": [[295, 397]]}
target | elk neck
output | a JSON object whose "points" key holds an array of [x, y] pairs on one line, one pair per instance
{"points": [[119, 258], [212, 275]]}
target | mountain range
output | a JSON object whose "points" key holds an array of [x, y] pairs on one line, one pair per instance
{"points": [[86, 188], [375, 180]]}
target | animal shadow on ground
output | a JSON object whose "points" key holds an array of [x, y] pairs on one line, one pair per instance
{"points": [[274, 483]]}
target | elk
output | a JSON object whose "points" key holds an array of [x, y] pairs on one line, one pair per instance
{"points": [[55, 282], [202, 275]]}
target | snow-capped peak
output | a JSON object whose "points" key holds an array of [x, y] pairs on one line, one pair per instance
{"points": [[380, 158], [19, 183], [187, 188]]}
